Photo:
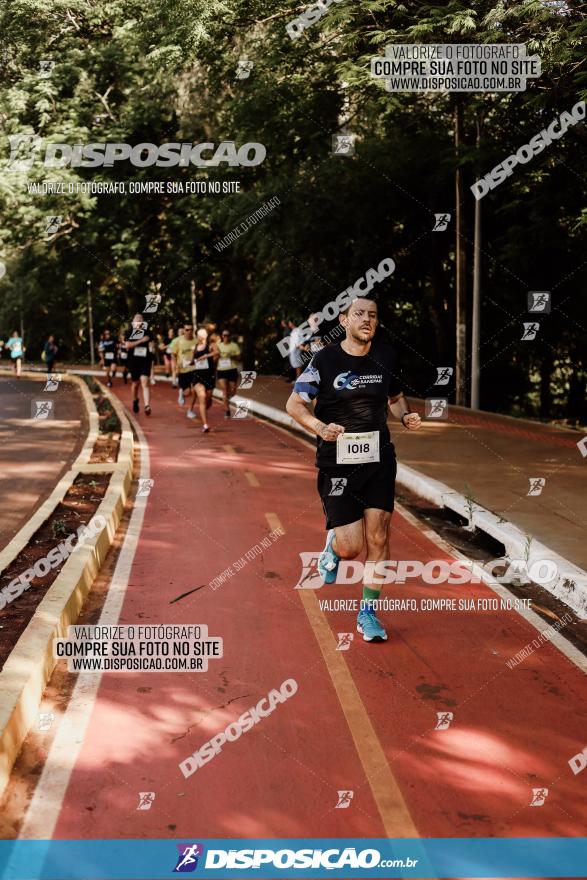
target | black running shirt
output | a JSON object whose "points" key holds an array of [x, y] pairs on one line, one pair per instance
{"points": [[144, 355], [108, 346], [353, 392]]}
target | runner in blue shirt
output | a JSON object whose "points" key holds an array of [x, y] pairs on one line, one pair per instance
{"points": [[16, 349]]}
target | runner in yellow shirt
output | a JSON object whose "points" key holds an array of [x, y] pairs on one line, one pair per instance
{"points": [[182, 350], [226, 369]]}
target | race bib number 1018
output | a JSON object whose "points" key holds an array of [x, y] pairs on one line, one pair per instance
{"points": [[357, 448]]}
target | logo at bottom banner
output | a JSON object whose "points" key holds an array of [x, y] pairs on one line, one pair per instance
{"points": [[187, 860], [349, 857]]}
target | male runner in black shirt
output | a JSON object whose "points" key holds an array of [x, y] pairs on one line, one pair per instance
{"points": [[107, 349], [353, 383], [139, 361]]}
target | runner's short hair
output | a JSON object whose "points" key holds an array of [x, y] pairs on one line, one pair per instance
{"points": [[370, 298]]}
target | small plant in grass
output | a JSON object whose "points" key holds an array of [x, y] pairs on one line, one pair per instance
{"points": [[92, 385], [516, 579], [60, 529], [528, 548], [110, 423], [471, 504]]}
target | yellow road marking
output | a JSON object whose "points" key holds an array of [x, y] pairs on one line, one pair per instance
{"points": [[273, 521], [384, 787], [252, 479]]}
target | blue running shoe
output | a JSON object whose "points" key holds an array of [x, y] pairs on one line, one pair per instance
{"points": [[328, 561], [369, 626]]}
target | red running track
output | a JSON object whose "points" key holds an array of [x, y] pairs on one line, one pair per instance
{"points": [[362, 720]]}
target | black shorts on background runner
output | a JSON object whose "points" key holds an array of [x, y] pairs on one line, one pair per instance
{"points": [[348, 490], [186, 380], [138, 369], [205, 378], [229, 375]]}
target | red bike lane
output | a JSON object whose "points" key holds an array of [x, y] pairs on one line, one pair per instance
{"points": [[364, 720]]}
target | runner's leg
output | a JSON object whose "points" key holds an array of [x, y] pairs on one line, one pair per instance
{"points": [[201, 395], [348, 541], [135, 394], [377, 538], [377, 523], [223, 385], [146, 393], [191, 410]]}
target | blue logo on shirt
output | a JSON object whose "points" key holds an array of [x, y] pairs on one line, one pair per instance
{"points": [[345, 380]]}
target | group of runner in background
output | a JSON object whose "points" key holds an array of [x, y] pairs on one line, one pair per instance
{"points": [[15, 348], [195, 362]]}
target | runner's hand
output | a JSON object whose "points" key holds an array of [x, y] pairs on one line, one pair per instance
{"points": [[330, 432], [412, 421]]}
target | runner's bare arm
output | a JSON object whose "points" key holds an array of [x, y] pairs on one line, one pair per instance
{"points": [[299, 411], [398, 407]]}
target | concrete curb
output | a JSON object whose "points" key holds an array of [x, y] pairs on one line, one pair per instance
{"points": [[30, 664], [21, 539], [570, 582]]}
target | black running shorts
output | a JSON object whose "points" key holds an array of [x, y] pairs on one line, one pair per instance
{"points": [[229, 375], [139, 367], [206, 378], [186, 380], [347, 490]]}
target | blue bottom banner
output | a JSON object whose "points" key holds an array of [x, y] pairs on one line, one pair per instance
{"points": [[527, 857]]}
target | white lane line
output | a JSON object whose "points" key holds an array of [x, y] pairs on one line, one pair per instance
{"points": [[45, 806]]}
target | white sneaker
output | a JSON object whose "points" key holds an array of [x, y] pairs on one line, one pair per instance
{"points": [[205, 429], [180, 397], [153, 381], [190, 414]]}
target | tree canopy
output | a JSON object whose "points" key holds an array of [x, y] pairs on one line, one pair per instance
{"points": [[91, 71]]}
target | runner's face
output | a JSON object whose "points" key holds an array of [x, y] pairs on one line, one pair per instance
{"points": [[188, 331], [361, 320]]}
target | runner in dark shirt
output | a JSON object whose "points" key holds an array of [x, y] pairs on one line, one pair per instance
{"points": [[107, 348], [353, 390], [139, 361], [353, 384], [204, 376]]}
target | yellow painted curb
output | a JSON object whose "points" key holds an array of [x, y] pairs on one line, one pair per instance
{"points": [[30, 664], [22, 537]]}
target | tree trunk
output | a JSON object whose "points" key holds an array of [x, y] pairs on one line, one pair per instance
{"points": [[461, 279], [476, 322], [546, 365], [576, 407]]}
